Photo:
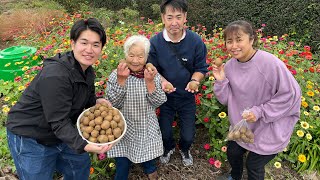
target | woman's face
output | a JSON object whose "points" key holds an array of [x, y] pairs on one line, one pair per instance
{"points": [[239, 45], [136, 57], [87, 48]]}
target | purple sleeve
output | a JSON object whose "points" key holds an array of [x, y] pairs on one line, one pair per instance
{"points": [[286, 100], [222, 90]]}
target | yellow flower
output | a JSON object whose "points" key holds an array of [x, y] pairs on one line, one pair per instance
{"points": [[304, 104], [304, 125], [13, 103], [18, 63], [7, 98], [300, 133], [309, 86], [310, 93], [285, 149], [5, 109], [96, 84], [311, 83], [35, 57], [6, 83], [302, 158], [308, 136], [303, 98], [316, 91], [306, 113], [220, 29], [211, 78], [277, 165], [222, 115], [8, 64], [20, 88], [115, 55], [112, 165], [316, 108], [25, 68]]}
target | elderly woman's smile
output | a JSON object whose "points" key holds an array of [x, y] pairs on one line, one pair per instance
{"points": [[136, 58]]}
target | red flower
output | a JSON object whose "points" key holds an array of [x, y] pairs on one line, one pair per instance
{"points": [[293, 72], [311, 69], [17, 79], [174, 123], [206, 119], [204, 87], [158, 111], [209, 96], [211, 161], [281, 51], [307, 48], [206, 146]]}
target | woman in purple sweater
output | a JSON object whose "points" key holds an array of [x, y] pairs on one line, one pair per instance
{"points": [[256, 80]]}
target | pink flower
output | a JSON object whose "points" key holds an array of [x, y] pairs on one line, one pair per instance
{"points": [[224, 149], [263, 25], [101, 156], [307, 48], [209, 96], [291, 43], [293, 72], [211, 161], [217, 164], [206, 146]]}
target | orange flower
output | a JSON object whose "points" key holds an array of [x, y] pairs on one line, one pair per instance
{"points": [[97, 63], [91, 170]]}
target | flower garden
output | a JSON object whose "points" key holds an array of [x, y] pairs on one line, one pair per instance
{"points": [[302, 153]]}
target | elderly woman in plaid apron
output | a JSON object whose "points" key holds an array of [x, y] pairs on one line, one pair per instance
{"points": [[136, 91]]}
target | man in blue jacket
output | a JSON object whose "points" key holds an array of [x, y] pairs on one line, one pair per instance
{"points": [[180, 57]]}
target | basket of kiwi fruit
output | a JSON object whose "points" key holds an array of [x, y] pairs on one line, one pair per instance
{"points": [[101, 125]]}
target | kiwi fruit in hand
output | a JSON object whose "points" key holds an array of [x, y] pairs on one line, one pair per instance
{"points": [[218, 62], [193, 85], [101, 124]]}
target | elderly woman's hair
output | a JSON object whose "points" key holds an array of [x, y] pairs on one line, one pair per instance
{"points": [[134, 40]]}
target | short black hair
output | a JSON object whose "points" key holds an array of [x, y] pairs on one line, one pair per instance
{"points": [[93, 24], [180, 5]]}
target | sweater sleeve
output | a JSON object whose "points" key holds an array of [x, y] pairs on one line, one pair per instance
{"points": [[286, 100], [200, 64], [157, 97], [222, 90], [115, 93], [56, 99]]}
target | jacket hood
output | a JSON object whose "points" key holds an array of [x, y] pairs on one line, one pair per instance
{"points": [[66, 59]]}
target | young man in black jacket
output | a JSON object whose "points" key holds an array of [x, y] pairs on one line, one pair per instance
{"points": [[41, 130]]}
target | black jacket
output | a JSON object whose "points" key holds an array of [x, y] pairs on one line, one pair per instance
{"points": [[49, 107]]}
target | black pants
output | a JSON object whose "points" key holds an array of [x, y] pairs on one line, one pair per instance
{"points": [[254, 162]]}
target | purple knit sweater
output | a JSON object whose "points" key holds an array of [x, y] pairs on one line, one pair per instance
{"points": [[266, 87]]}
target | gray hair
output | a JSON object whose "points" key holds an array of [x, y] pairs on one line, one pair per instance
{"points": [[135, 39]]}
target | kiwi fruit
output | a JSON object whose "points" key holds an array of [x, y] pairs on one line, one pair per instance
{"points": [[242, 134], [101, 124], [193, 85], [169, 87]]}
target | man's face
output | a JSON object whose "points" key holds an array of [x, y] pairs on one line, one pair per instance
{"points": [[173, 21]]}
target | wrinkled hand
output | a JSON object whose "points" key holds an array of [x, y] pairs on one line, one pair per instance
{"points": [[165, 84], [249, 117], [218, 72], [150, 73], [123, 73], [97, 149]]}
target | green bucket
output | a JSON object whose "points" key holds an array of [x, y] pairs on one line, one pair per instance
{"points": [[13, 59]]}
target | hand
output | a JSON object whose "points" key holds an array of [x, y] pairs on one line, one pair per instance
{"points": [[97, 149], [165, 84], [150, 73], [123, 73], [191, 86], [249, 117], [103, 101], [218, 72]]}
